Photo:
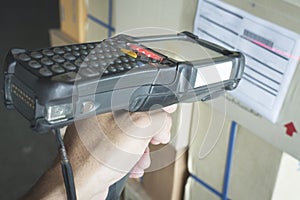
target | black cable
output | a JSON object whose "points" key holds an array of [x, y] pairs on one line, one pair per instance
{"points": [[66, 167]]}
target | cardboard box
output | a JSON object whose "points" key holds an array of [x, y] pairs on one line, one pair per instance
{"points": [[194, 191], [95, 32], [288, 179], [134, 191], [167, 182], [58, 38], [73, 16], [86, 20], [255, 163], [259, 170], [93, 20], [208, 145], [175, 15]]}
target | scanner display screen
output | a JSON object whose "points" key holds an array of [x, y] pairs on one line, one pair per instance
{"points": [[182, 50]]}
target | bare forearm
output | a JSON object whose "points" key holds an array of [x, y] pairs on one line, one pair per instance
{"points": [[49, 186], [85, 167], [101, 151]]}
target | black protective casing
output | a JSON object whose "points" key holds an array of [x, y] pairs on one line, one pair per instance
{"points": [[139, 89]]}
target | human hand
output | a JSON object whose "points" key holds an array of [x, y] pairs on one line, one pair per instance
{"points": [[102, 150], [162, 138], [117, 141]]}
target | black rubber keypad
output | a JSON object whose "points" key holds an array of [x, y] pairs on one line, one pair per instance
{"points": [[34, 64], [36, 55], [58, 59], [24, 57], [48, 52], [76, 62], [45, 71], [46, 61], [58, 51], [57, 69]]}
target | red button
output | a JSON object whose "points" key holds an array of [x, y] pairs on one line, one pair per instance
{"points": [[146, 52]]}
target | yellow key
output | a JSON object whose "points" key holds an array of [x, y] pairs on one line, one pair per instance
{"points": [[129, 52]]}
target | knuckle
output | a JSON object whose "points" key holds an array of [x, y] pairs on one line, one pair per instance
{"points": [[141, 119], [137, 116]]}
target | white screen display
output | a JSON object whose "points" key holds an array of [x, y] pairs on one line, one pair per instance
{"points": [[182, 50], [213, 74]]}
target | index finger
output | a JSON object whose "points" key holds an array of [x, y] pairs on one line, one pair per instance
{"points": [[170, 109]]}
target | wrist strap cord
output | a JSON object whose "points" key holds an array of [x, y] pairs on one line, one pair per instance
{"points": [[66, 167]]}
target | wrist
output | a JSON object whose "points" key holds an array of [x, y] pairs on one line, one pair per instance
{"points": [[88, 172]]}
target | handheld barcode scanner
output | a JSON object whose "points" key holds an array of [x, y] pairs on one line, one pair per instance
{"points": [[54, 86]]}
